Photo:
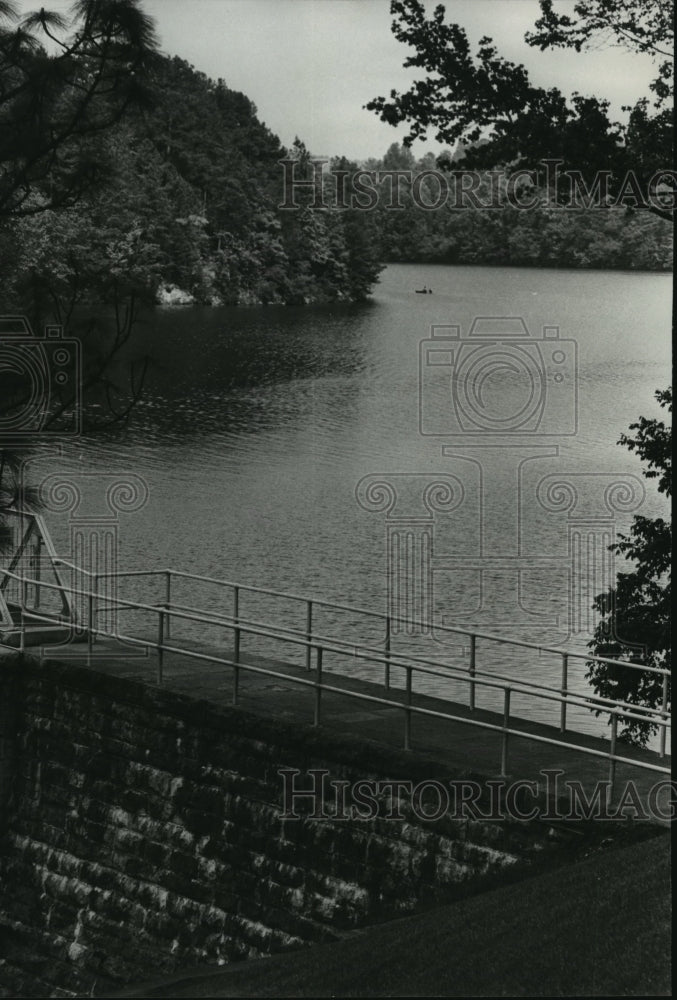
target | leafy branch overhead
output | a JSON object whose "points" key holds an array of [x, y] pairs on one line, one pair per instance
{"points": [[635, 25], [62, 83], [489, 104]]}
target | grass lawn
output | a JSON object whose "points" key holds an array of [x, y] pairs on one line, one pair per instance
{"points": [[597, 927]]}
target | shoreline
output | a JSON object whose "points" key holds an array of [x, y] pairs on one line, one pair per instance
{"points": [[186, 299]]}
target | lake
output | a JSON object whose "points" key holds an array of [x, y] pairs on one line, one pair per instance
{"points": [[258, 425]]}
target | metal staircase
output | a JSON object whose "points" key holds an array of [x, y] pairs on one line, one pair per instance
{"points": [[29, 553]]}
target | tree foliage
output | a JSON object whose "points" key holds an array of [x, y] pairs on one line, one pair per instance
{"points": [[468, 97], [547, 235], [62, 83], [188, 196], [636, 25], [638, 609], [488, 108]]}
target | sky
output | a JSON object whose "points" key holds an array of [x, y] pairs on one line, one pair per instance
{"points": [[310, 65]]}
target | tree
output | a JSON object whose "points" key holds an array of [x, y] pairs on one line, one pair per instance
{"points": [[490, 106], [89, 268], [55, 108], [635, 25], [52, 104], [638, 608], [494, 230]]}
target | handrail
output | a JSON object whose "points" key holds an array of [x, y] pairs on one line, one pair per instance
{"points": [[229, 621], [334, 645], [337, 646], [311, 641], [330, 645], [505, 730], [373, 614], [314, 642]]}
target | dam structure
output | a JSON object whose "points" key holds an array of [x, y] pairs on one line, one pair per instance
{"points": [[153, 725]]}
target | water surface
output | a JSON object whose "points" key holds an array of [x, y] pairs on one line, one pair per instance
{"points": [[258, 425]]}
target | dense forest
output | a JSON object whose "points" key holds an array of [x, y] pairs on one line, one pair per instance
{"points": [[187, 209], [545, 235]]}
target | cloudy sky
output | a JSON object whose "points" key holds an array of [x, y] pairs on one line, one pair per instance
{"points": [[310, 65]]}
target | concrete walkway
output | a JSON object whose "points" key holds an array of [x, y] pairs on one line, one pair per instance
{"points": [[463, 746]]}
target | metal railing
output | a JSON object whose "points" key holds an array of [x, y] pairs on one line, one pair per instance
{"points": [[316, 645]]}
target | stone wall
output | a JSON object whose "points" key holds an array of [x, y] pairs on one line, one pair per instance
{"points": [[141, 833]]}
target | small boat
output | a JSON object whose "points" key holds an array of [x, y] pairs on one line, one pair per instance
{"points": [[423, 291]]}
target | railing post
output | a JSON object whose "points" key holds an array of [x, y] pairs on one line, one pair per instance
{"points": [[236, 631], [94, 585], [236, 684], [664, 715], [309, 632], [387, 652], [318, 687], [168, 601], [90, 627], [24, 602], [471, 670], [38, 570], [407, 711], [160, 644], [612, 754], [22, 632], [563, 689], [506, 724]]}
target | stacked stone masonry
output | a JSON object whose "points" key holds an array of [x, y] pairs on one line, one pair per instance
{"points": [[141, 833]]}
